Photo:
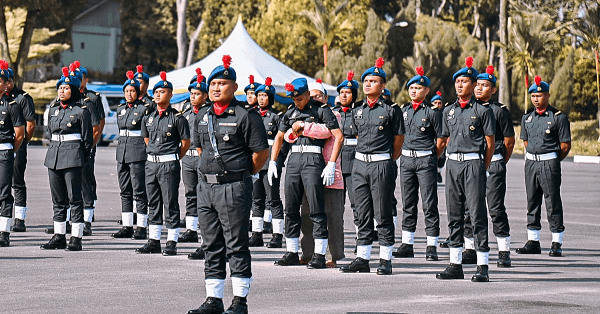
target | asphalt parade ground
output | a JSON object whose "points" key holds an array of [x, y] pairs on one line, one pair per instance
{"points": [[109, 277]]}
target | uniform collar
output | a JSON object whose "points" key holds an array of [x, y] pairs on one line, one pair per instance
{"points": [[230, 108]]}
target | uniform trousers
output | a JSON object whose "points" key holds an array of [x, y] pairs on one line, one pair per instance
{"points": [[334, 209], [18, 179], [7, 160], [266, 196], [223, 211], [189, 172], [465, 189], [303, 175], [373, 197], [349, 189], [420, 173], [543, 178], [162, 187], [132, 182], [495, 193], [88, 178], [65, 188]]}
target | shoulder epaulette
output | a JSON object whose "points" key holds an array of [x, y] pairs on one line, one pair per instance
{"points": [[325, 105], [178, 113], [97, 94], [247, 106], [121, 105], [291, 106], [446, 105], [486, 103], [280, 113], [146, 104], [84, 107], [557, 113], [503, 106], [403, 105], [12, 102], [394, 104], [86, 99], [25, 93]]}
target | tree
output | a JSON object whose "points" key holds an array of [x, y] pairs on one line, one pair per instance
{"points": [[503, 72]]}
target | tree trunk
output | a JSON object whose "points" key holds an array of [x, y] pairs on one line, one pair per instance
{"points": [[418, 7], [597, 84], [4, 50], [23, 52], [181, 33], [439, 9], [193, 40], [504, 93], [476, 28]]}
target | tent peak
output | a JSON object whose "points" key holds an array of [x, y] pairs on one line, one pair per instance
{"points": [[239, 17]]}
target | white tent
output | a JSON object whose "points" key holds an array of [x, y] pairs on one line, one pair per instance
{"points": [[248, 58]]}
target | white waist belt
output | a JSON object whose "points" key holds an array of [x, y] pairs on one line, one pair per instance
{"points": [[66, 137], [541, 157], [350, 141], [162, 158], [372, 157], [130, 132], [192, 152], [6, 146], [416, 153], [464, 156], [306, 149], [270, 142], [497, 157]]}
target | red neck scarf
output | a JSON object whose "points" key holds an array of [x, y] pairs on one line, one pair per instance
{"points": [[263, 112], [540, 112], [130, 105], [196, 109], [63, 105], [463, 103], [370, 103], [345, 109], [416, 104], [160, 111], [219, 108]]}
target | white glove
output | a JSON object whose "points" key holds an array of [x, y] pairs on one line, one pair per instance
{"points": [[328, 174], [272, 172]]}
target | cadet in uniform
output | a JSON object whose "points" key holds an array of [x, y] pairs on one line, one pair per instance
{"points": [[232, 144], [437, 104], [266, 201], [71, 144], [167, 136], [380, 135], [198, 96], [131, 161], [305, 171], [546, 133], [144, 80], [25, 102], [418, 167], [470, 128], [12, 133], [496, 179], [250, 91]]}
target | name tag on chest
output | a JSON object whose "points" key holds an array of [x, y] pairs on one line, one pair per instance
{"points": [[228, 124]]}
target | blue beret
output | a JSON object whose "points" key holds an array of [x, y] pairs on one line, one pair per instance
{"points": [[349, 83], [163, 83], [437, 96], [266, 88], [252, 85], [539, 86], [224, 71], [69, 78], [5, 74], [375, 71], [201, 86], [11, 73], [488, 75], [420, 78], [386, 92], [141, 75], [468, 71], [297, 87], [83, 71], [131, 81]]}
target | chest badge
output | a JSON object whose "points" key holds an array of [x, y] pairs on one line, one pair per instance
{"points": [[226, 137], [133, 122], [56, 112], [380, 127], [529, 119], [422, 129], [123, 111], [168, 133], [471, 128], [451, 112], [150, 120], [548, 131], [69, 124], [1, 122], [405, 116]]}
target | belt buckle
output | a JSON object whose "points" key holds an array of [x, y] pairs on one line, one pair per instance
{"points": [[413, 153], [155, 158], [301, 147], [368, 158], [461, 157], [536, 157], [211, 178]]}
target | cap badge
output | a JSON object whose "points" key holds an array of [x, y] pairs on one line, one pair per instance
{"points": [[469, 71], [422, 80], [267, 88], [376, 70], [67, 80], [165, 83], [539, 88], [349, 83], [226, 72]]}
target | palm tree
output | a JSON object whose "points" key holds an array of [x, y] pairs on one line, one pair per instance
{"points": [[327, 26]]}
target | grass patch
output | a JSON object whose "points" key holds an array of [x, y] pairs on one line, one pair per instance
{"points": [[584, 136]]}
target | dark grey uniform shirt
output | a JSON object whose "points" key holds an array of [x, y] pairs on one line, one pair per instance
{"points": [[239, 133], [90, 106], [97, 101], [129, 117], [504, 126], [377, 126], [347, 153], [10, 117], [190, 116], [314, 112], [165, 131], [468, 127], [271, 121], [545, 132], [25, 102], [422, 127]]}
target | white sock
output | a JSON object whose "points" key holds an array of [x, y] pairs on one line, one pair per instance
{"points": [[292, 244], [88, 214], [483, 258], [533, 235], [385, 252], [127, 219], [142, 220], [77, 229], [558, 237], [241, 286], [20, 212], [69, 214], [320, 246], [364, 251], [214, 287], [356, 228], [154, 232], [257, 224], [469, 243], [173, 234], [268, 216], [60, 227], [278, 226], [5, 224], [191, 223], [408, 237], [432, 241], [456, 255], [134, 206], [503, 243]]}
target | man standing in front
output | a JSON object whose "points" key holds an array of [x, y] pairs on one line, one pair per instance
{"points": [[380, 135], [469, 128], [232, 144], [546, 133]]}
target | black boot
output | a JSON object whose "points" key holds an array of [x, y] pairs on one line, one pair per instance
{"points": [[316, 262], [288, 259], [504, 259], [74, 244], [189, 236], [276, 241], [405, 250], [197, 254], [453, 271], [444, 244], [556, 250], [4, 239], [469, 257], [170, 249], [152, 246], [125, 232], [58, 241], [256, 239], [531, 247], [267, 227], [140, 233], [87, 229], [19, 225], [239, 305], [357, 265], [210, 306], [431, 253], [385, 267], [481, 275]]}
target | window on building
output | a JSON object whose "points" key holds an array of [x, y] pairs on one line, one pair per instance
{"points": [[82, 45]]}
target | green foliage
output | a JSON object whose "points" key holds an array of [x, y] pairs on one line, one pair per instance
{"points": [[585, 99], [561, 86]]}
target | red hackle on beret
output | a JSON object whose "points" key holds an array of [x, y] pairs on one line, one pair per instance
{"points": [[226, 61], [319, 81], [77, 64], [163, 75], [439, 93], [379, 62], [268, 81], [538, 80], [350, 75], [420, 71], [251, 78], [65, 71], [490, 70], [130, 75], [140, 68], [289, 87], [72, 67], [469, 62]]}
